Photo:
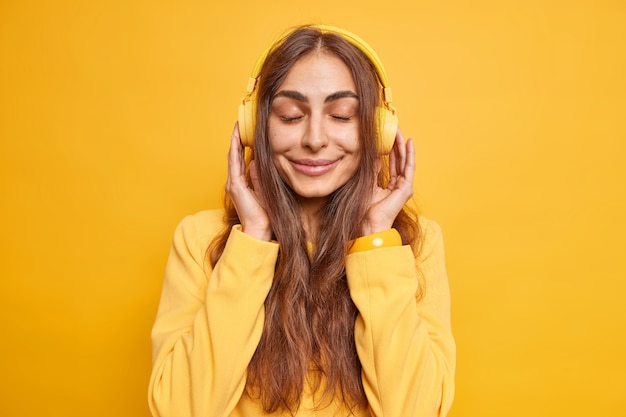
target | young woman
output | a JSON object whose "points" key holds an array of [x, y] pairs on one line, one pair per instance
{"points": [[316, 291]]}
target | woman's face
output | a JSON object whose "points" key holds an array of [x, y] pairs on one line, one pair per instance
{"points": [[314, 124]]}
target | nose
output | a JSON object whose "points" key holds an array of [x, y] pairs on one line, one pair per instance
{"points": [[315, 136]]}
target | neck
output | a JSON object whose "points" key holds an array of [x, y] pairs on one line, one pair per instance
{"points": [[310, 216]]}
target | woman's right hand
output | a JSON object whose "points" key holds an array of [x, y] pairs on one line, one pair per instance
{"points": [[247, 201]]}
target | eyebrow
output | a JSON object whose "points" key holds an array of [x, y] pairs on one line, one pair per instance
{"points": [[301, 97]]}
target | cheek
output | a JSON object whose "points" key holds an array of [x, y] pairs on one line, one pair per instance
{"points": [[348, 139], [278, 145], [345, 135], [353, 144], [280, 139]]}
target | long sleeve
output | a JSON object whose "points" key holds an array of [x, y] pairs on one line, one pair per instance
{"points": [[405, 344], [209, 322]]}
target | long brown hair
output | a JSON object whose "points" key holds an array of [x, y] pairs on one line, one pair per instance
{"points": [[308, 336]]}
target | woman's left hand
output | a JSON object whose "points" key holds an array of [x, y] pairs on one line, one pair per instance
{"points": [[386, 203]]}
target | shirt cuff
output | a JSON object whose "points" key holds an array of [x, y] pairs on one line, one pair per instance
{"points": [[384, 239]]}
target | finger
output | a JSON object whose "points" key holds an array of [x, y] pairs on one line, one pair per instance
{"points": [[394, 155], [375, 187], [404, 182], [235, 157], [397, 159], [254, 177], [409, 168], [393, 172], [377, 167], [401, 149]]}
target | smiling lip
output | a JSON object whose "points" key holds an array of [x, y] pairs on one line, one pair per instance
{"points": [[314, 166]]}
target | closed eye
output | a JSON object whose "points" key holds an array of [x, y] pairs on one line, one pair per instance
{"points": [[290, 119]]}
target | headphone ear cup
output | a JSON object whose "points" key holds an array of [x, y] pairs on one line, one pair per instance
{"points": [[387, 129], [246, 123]]}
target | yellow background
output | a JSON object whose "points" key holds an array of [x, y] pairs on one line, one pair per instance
{"points": [[114, 123]]}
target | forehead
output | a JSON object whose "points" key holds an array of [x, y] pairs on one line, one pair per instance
{"points": [[319, 71]]}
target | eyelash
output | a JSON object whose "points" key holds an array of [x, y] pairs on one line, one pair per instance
{"points": [[295, 119], [290, 119]]}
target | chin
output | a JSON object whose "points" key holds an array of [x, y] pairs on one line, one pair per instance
{"points": [[316, 187], [314, 192]]}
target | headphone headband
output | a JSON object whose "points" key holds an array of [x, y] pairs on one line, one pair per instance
{"points": [[355, 40]]}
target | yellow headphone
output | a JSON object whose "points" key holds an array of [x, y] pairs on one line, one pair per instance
{"points": [[387, 120]]}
